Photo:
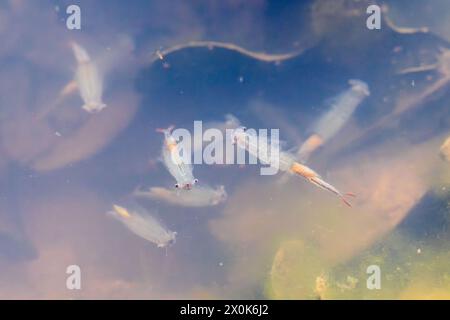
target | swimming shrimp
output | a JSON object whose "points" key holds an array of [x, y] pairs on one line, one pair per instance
{"points": [[342, 108], [88, 80], [181, 171], [200, 196], [144, 225], [259, 148]]}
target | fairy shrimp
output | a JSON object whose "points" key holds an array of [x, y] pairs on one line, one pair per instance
{"points": [[181, 171], [333, 120], [200, 196], [88, 80], [286, 162]]}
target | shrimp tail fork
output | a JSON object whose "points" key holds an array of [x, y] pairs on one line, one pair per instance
{"points": [[314, 178]]}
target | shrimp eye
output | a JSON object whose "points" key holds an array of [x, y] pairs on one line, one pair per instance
{"points": [[177, 185], [244, 129], [195, 181]]}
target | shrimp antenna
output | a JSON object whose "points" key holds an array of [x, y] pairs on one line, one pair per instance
{"points": [[162, 130], [348, 194]]}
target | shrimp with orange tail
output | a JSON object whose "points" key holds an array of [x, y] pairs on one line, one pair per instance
{"points": [[175, 164], [314, 178], [247, 139]]}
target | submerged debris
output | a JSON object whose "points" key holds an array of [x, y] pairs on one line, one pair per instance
{"points": [[210, 45]]}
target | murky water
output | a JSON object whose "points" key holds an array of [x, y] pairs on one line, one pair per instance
{"points": [[66, 159]]}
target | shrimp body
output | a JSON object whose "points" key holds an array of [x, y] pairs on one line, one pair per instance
{"points": [[181, 171], [225, 127], [286, 161], [258, 148], [144, 225], [200, 196], [343, 107], [89, 81]]}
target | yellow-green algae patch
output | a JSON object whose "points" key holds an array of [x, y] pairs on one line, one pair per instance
{"points": [[412, 267]]}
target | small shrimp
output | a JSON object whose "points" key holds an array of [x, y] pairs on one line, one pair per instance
{"points": [[88, 79], [181, 171], [258, 148], [144, 225], [342, 108], [200, 196], [286, 161]]}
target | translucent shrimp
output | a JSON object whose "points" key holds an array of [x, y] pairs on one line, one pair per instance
{"points": [[259, 148], [334, 119], [200, 196], [88, 80], [181, 171], [230, 122], [248, 140], [144, 225]]}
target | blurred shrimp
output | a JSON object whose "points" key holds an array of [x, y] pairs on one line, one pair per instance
{"points": [[181, 171], [200, 196], [141, 223], [230, 122], [88, 80], [342, 108]]}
